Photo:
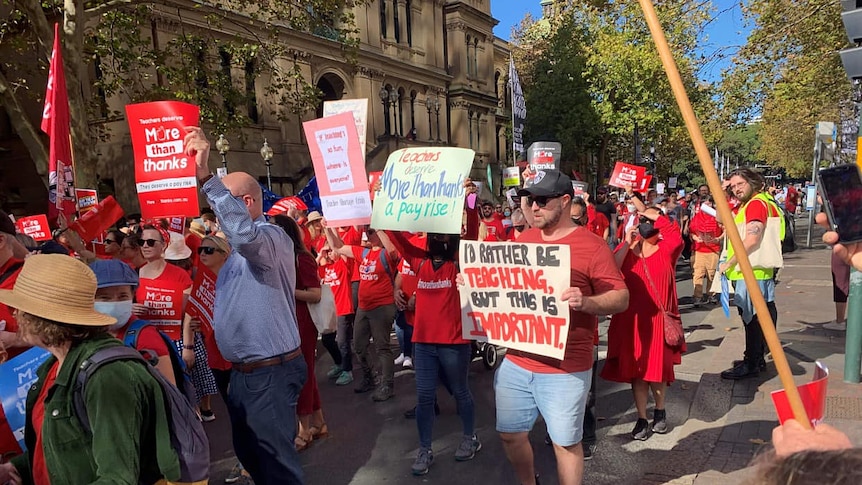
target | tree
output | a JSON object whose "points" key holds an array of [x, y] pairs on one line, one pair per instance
{"points": [[117, 40]]}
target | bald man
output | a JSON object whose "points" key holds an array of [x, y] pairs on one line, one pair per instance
{"points": [[255, 323]]}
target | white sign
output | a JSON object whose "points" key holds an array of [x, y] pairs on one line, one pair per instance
{"points": [[359, 108]]}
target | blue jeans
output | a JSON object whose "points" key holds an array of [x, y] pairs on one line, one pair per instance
{"points": [[262, 408], [404, 332], [453, 361]]}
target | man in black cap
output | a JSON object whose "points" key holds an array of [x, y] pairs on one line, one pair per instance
{"points": [[526, 384]]}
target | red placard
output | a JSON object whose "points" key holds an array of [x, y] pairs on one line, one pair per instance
{"points": [[92, 224], [202, 298], [164, 303], [373, 177], [177, 224], [87, 199], [813, 396], [285, 204], [645, 184], [626, 174], [164, 175], [35, 227]]}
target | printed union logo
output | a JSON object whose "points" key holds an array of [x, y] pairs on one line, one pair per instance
{"points": [[538, 177]]}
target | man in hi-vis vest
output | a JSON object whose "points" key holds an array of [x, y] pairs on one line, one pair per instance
{"points": [[757, 207]]}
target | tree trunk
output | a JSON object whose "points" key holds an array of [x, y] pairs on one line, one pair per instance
{"points": [[603, 154], [29, 134], [83, 144]]}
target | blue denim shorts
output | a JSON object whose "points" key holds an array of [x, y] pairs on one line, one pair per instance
{"points": [[561, 399]]}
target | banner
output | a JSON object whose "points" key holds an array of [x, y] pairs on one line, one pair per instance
{"points": [[98, 219], [423, 190], [164, 303], [202, 299], [16, 377], [625, 174], [87, 199], [813, 396], [164, 175], [339, 167], [544, 155], [512, 295], [358, 108], [519, 109], [35, 227]]}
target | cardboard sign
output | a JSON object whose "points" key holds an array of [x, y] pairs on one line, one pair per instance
{"points": [[98, 219], [813, 396], [164, 175], [373, 177], [580, 188], [544, 155], [511, 177], [659, 187], [35, 227], [177, 224], [512, 295], [285, 204], [16, 377], [164, 303], [423, 190], [87, 199], [625, 174], [339, 167], [358, 108], [202, 298]]}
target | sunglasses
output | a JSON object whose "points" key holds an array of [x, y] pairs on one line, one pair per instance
{"points": [[542, 200], [149, 242], [208, 250]]}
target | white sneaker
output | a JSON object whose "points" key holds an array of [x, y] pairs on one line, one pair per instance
{"points": [[408, 362], [838, 326], [399, 360]]}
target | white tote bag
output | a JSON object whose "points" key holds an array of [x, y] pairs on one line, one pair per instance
{"points": [[323, 312], [768, 254]]}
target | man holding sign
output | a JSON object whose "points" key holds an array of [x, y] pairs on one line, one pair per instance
{"points": [[528, 384]]}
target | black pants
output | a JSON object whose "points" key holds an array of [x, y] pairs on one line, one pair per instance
{"points": [[755, 345], [590, 420]]}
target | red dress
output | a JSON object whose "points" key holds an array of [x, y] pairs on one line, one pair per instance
{"points": [[636, 346], [306, 277]]}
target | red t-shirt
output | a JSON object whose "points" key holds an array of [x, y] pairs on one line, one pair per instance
{"points": [[193, 241], [496, 229], [597, 222], [757, 210], [708, 229], [594, 271], [172, 277], [40, 468], [375, 284], [337, 276], [790, 199], [351, 237], [409, 280]]}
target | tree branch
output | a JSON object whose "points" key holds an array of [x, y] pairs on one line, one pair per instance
{"points": [[41, 27], [24, 128]]}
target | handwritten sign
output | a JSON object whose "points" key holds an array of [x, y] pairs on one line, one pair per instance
{"points": [[87, 199], [16, 377], [358, 108], [339, 166], [625, 174], [422, 190], [164, 303], [512, 295], [164, 175], [35, 227], [202, 298]]}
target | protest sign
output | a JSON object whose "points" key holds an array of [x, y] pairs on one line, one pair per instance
{"points": [[35, 227], [177, 224], [512, 295], [580, 188], [373, 177], [202, 298], [813, 396], [87, 199], [422, 190], [98, 219], [544, 155], [358, 108], [625, 174], [16, 377], [511, 177], [645, 183], [163, 301], [659, 187], [165, 176], [339, 167], [671, 182]]}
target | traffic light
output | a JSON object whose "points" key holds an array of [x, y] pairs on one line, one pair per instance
{"points": [[852, 18]]}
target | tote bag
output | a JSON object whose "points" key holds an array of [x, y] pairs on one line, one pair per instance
{"points": [[768, 254], [323, 312]]}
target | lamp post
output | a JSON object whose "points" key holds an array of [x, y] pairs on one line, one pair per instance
{"points": [[437, 112], [393, 98], [384, 99], [429, 104], [223, 146], [266, 153]]}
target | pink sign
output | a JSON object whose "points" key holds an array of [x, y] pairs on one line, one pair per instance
{"points": [[339, 165], [813, 396], [35, 227], [626, 174]]}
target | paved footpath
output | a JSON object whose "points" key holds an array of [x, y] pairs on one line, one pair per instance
{"points": [[717, 426]]}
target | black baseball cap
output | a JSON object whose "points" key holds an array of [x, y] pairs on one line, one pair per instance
{"points": [[549, 183]]}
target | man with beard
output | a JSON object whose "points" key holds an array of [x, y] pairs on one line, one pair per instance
{"points": [[750, 188], [493, 222], [528, 384]]}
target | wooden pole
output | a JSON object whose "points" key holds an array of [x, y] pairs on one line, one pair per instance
{"points": [[724, 211]]}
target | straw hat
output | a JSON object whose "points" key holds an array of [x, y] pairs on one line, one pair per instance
{"points": [[57, 288], [197, 227], [313, 216], [177, 249]]}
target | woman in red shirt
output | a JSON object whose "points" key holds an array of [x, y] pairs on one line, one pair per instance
{"points": [[335, 271]]}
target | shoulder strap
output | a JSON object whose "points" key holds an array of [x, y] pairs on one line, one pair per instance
{"points": [[652, 285], [86, 370], [130, 339], [10, 271]]}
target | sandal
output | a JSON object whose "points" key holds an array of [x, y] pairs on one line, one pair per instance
{"points": [[319, 431], [302, 443]]}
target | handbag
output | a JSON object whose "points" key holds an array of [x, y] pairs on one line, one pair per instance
{"points": [[672, 322], [323, 312], [768, 254]]}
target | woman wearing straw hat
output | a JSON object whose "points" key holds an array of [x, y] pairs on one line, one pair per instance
{"points": [[53, 299]]}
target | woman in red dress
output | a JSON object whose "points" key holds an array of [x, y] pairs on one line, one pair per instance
{"points": [[637, 352]]}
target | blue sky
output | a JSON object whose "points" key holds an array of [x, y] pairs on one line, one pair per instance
{"points": [[724, 34]]}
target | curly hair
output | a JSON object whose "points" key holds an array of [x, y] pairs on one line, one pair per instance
{"points": [[753, 177], [835, 467], [54, 334]]}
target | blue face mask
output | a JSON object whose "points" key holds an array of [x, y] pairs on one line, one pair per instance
{"points": [[121, 310]]}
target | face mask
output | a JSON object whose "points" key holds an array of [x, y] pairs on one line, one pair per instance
{"points": [[647, 230], [507, 213], [121, 310]]}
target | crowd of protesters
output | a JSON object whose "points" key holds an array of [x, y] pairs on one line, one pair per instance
{"points": [[260, 351]]}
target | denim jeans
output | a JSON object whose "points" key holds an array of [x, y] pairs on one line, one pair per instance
{"points": [[377, 324], [404, 332], [452, 361], [262, 408], [344, 338]]}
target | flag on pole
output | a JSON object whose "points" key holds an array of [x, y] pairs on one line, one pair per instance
{"points": [[55, 122], [519, 108]]}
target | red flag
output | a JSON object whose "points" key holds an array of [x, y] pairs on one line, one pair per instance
{"points": [[55, 122], [98, 219]]}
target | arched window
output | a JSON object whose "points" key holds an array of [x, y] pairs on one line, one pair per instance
{"points": [[387, 124], [497, 86], [476, 56]]}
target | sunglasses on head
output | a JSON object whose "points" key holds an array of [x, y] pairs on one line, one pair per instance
{"points": [[149, 242], [208, 250], [542, 200]]}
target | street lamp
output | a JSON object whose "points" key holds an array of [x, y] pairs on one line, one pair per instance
{"points": [[266, 153], [437, 112], [429, 104], [384, 99], [223, 146], [393, 98]]}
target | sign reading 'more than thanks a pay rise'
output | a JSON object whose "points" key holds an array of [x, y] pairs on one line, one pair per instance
{"points": [[164, 175]]}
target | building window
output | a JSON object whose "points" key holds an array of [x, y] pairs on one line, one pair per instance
{"points": [[250, 92], [224, 63], [409, 21], [395, 24], [470, 127], [469, 57], [476, 56], [383, 19], [497, 86]]}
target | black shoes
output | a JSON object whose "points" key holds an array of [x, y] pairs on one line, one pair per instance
{"points": [[744, 370], [411, 413], [641, 431], [659, 421], [366, 385], [761, 365]]}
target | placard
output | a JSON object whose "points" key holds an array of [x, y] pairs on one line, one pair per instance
{"points": [[97, 220], [671, 182], [813, 395], [339, 167], [164, 175], [512, 295], [625, 174], [177, 224], [202, 298], [511, 177], [422, 190], [659, 188], [580, 188], [17, 375], [544, 155], [87, 199], [164, 303], [645, 184], [35, 227], [358, 108]]}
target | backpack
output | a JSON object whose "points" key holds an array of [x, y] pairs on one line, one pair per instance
{"points": [[788, 244], [181, 372], [188, 438], [384, 260]]}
